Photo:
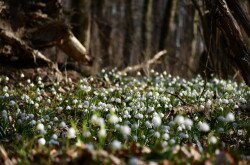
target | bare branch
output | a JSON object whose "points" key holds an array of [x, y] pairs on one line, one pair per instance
{"points": [[145, 64]]}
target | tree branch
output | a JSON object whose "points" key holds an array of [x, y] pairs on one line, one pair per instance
{"points": [[145, 64]]}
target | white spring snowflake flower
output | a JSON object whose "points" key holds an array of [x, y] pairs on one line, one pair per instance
{"points": [[230, 117], [41, 141], [7, 79], [53, 142], [157, 134], [87, 134], [179, 119], [116, 145], [40, 127], [97, 120], [5, 89], [183, 135], [12, 103], [222, 118], [102, 132], [68, 107], [133, 161], [32, 122], [172, 141], [54, 136], [208, 104], [6, 95], [125, 130], [179, 128], [71, 133], [156, 121], [188, 122], [203, 126], [150, 109], [62, 125], [220, 130], [148, 124], [55, 119], [165, 136], [75, 101], [59, 109], [36, 105], [113, 119], [213, 140], [4, 114], [202, 107]]}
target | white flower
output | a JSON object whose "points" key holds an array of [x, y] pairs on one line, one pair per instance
{"points": [[87, 134], [172, 141], [133, 161], [75, 101], [208, 104], [12, 103], [220, 130], [97, 120], [157, 134], [165, 136], [5, 89], [113, 119], [203, 126], [41, 141], [230, 117], [156, 121], [40, 127], [53, 142], [188, 122], [116, 145], [150, 109], [179, 119], [222, 118], [229, 87], [102, 132], [183, 135], [71, 133], [54, 136], [4, 114], [213, 140], [125, 130], [202, 107], [62, 125], [32, 122], [86, 104], [148, 124], [59, 109], [7, 79], [55, 119], [68, 107]]}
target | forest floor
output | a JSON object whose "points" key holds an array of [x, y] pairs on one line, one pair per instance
{"points": [[114, 118]]}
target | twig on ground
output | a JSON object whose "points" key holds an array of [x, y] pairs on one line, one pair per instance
{"points": [[145, 64], [178, 97], [4, 156]]}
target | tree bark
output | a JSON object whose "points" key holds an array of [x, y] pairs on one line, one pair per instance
{"points": [[238, 52]]}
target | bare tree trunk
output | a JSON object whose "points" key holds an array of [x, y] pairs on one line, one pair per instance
{"points": [[223, 38], [231, 31]]}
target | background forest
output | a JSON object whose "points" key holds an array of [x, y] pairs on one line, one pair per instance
{"points": [[124, 33], [139, 82]]}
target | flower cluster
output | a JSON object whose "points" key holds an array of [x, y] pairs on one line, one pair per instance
{"points": [[118, 109]]}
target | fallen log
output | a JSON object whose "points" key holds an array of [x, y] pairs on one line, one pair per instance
{"points": [[59, 34]]}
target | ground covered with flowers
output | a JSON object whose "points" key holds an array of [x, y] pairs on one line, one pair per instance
{"points": [[119, 119]]}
